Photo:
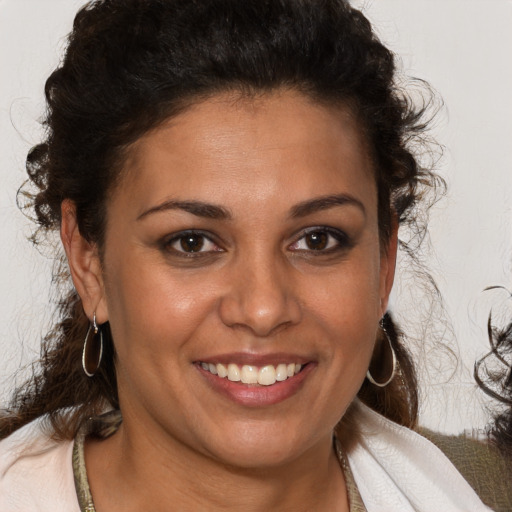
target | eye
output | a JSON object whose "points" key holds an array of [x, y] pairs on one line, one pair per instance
{"points": [[320, 239], [191, 242]]}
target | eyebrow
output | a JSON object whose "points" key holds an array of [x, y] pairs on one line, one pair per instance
{"points": [[198, 208], [212, 211], [324, 203]]}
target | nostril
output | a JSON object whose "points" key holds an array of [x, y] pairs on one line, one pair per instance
{"points": [[261, 314]]}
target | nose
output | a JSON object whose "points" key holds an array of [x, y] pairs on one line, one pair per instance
{"points": [[260, 298]]}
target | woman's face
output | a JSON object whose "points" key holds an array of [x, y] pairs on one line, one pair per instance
{"points": [[243, 238]]}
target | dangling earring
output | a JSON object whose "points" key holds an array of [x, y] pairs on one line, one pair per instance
{"points": [[93, 348], [393, 359]]}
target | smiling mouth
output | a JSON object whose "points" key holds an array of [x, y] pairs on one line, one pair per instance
{"points": [[253, 375]]}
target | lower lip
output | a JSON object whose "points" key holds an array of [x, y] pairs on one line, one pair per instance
{"points": [[251, 395]]}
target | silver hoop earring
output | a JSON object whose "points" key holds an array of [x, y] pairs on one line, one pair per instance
{"points": [[93, 348], [393, 359]]}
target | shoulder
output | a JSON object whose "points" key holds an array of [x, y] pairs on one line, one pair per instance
{"points": [[36, 472], [481, 464], [394, 466]]}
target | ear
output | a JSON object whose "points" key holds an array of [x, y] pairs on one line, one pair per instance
{"points": [[388, 265], [84, 264]]}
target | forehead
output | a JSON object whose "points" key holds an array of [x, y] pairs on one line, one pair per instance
{"points": [[240, 149]]}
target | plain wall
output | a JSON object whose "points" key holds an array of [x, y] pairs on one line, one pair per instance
{"points": [[462, 47]]}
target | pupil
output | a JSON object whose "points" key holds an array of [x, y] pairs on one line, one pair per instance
{"points": [[317, 240], [192, 243]]}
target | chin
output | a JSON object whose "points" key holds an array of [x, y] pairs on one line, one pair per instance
{"points": [[265, 456], [260, 448]]}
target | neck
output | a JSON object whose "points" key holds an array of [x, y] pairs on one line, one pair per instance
{"points": [[129, 471]]}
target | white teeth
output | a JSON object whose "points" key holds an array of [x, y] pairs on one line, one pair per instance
{"points": [[281, 372], [222, 371], [248, 374], [267, 376], [233, 372]]}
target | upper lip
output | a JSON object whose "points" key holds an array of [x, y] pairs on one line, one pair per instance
{"points": [[252, 359]]}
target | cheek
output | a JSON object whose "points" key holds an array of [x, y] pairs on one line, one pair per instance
{"points": [[344, 322], [349, 295], [152, 311], [346, 307]]}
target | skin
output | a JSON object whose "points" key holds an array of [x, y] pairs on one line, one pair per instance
{"points": [[256, 288]]}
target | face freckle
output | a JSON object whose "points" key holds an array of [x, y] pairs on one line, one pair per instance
{"points": [[245, 233]]}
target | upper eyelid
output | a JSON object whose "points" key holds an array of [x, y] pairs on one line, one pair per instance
{"points": [[176, 236], [171, 239], [215, 239], [313, 229], [342, 238]]}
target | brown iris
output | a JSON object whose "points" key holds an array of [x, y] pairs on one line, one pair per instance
{"points": [[317, 240], [192, 243]]}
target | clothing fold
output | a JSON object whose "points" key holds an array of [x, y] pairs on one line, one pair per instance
{"points": [[397, 470]]}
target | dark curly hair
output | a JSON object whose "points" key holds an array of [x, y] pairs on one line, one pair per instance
{"points": [[129, 66], [493, 374]]}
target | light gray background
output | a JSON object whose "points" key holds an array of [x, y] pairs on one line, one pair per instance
{"points": [[462, 47]]}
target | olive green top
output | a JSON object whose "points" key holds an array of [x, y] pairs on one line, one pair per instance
{"points": [[479, 463]]}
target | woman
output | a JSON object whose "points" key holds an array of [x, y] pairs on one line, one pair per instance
{"points": [[228, 179]]}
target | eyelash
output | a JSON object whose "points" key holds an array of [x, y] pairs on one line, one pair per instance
{"points": [[341, 242], [180, 237]]}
